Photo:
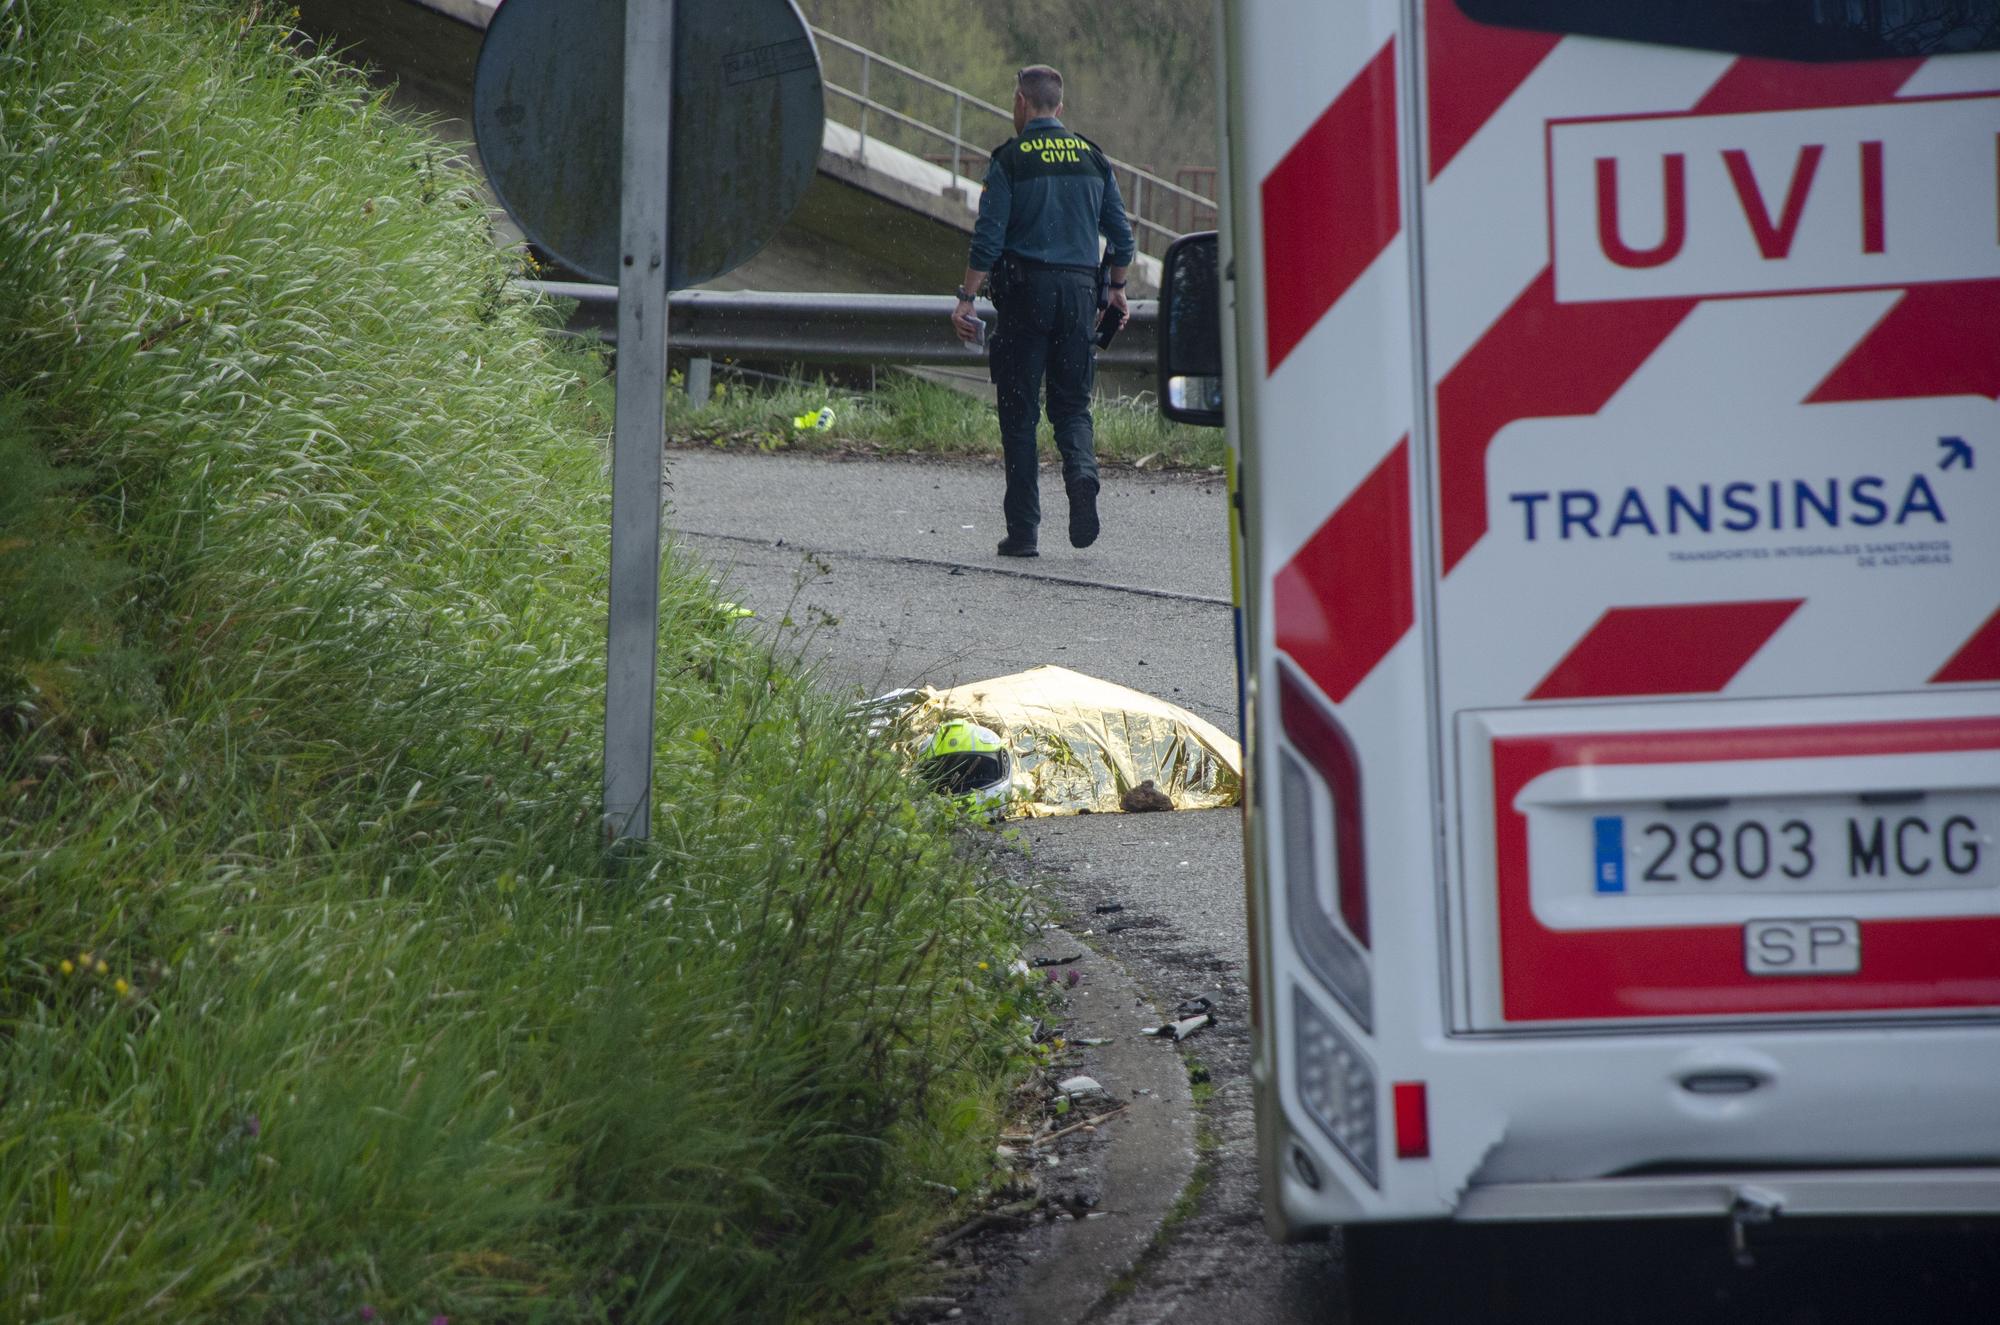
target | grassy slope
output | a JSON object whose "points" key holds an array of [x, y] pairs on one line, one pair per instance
{"points": [[312, 994]]}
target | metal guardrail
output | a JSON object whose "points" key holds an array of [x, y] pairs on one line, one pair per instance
{"points": [[1143, 182], [826, 328]]}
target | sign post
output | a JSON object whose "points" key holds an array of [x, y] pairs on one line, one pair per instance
{"points": [[632, 658]]}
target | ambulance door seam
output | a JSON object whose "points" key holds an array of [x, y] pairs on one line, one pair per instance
{"points": [[1240, 415], [1423, 529]]}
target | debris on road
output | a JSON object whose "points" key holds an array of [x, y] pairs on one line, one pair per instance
{"points": [[1080, 1087], [1007, 1216], [1086, 1124], [1189, 1016], [1145, 799], [1057, 961]]}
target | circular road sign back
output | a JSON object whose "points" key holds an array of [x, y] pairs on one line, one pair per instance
{"points": [[548, 107]]}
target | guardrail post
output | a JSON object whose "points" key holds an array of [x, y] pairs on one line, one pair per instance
{"points": [[957, 135], [862, 151], [700, 380]]}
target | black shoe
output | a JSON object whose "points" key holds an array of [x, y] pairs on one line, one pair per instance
{"points": [[1083, 512], [1018, 545]]}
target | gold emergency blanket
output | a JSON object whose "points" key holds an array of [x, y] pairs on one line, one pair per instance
{"points": [[1080, 743]]}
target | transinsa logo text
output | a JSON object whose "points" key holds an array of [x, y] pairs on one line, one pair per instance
{"points": [[1769, 506]]}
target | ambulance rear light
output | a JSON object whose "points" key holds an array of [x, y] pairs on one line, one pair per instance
{"points": [[1320, 791], [1336, 1084], [1413, 1119], [1326, 747]]}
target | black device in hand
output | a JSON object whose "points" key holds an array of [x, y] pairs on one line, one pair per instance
{"points": [[1108, 322]]}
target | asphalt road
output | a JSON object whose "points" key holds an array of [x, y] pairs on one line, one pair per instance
{"points": [[900, 556]]}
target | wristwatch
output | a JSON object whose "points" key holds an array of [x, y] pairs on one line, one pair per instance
{"points": [[963, 297], [1116, 285]]}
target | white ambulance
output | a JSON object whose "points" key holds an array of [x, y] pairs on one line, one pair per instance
{"points": [[1613, 391]]}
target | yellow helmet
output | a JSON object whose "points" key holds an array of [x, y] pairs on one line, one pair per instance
{"points": [[969, 762]]}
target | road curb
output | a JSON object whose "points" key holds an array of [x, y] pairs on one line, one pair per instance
{"points": [[1149, 1150]]}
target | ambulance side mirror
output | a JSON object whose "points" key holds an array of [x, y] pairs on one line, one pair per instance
{"points": [[1190, 354]]}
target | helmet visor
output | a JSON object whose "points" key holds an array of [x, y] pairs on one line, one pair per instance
{"points": [[963, 772]]}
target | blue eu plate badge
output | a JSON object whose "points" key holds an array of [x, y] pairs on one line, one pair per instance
{"points": [[1610, 831]]}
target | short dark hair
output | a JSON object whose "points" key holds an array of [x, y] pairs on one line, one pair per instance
{"points": [[1041, 86]]}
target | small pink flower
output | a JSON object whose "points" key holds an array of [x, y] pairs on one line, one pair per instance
{"points": [[253, 1129], [440, 1320], [367, 1312], [1074, 976]]}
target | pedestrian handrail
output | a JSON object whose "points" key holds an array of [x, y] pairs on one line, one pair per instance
{"points": [[1146, 187], [824, 328]]}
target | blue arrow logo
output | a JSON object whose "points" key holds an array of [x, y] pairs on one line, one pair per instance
{"points": [[1957, 451]]}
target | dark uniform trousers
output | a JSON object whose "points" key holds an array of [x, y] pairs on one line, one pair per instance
{"points": [[1047, 318]]}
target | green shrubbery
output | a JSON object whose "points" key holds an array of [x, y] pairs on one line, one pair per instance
{"points": [[908, 415], [313, 994]]}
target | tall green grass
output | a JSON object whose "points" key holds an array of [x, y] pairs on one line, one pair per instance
{"points": [[315, 1000]]}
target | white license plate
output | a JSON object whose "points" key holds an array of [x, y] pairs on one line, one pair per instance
{"points": [[1825, 946], [1799, 845]]}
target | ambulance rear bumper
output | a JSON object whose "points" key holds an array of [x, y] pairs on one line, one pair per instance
{"points": [[1883, 1120], [1887, 1193]]}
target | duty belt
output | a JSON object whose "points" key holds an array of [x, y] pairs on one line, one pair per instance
{"points": [[1035, 264]]}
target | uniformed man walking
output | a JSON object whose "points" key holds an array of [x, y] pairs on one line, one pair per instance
{"points": [[1049, 195]]}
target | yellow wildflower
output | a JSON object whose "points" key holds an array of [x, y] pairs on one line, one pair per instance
{"points": [[103, 967], [982, 966], [122, 988], [67, 968]]}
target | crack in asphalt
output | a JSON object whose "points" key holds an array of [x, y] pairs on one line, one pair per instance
{"points": [[961, 567]]}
